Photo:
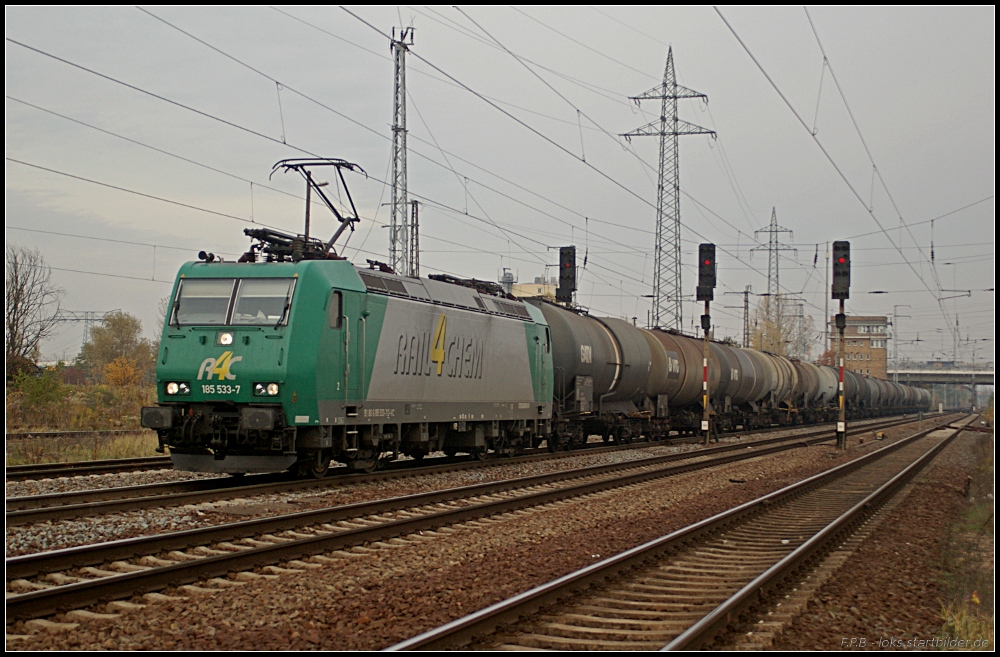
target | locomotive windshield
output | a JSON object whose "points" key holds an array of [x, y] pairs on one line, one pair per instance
{"points": [[211, 301]]}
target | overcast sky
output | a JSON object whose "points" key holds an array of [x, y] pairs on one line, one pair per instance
{"points": [[514, 151]]}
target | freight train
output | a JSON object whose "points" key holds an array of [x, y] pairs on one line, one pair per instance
{"points": [[294, 357]]}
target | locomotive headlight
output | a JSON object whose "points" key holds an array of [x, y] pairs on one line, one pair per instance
{"points": [[265, 389], [178, 388], [225, 338]]}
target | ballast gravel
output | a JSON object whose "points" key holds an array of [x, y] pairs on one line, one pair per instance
{"points": [[373, 598], [77, 483]]}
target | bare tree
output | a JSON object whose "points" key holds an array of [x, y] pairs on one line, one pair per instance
{"points": [[780, 330], [32, 304]]}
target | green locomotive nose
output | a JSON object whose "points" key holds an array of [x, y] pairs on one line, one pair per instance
{"points": [[221, 373], [224, 340]]}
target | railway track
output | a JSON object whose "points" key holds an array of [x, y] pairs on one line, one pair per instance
{"points": [[108, 466], [28, 435], [82, 468], [43, 583], [79, 504], [683, 590]]}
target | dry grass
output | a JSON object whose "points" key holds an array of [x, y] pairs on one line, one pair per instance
{"points": [[968, 615], [966, 628], [32, 451]]}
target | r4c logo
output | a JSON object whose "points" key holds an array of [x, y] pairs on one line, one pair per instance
{"points": [[220, 366]]}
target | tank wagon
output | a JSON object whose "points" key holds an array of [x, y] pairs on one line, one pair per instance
{"points": [[620, 381]]}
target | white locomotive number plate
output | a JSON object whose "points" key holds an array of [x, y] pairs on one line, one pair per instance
{"points": [[219, 389]]}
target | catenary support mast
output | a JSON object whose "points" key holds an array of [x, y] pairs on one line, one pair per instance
{"points": [[399, 229], [667, 308]]}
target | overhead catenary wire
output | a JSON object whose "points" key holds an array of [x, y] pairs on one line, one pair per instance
{"points": [[289, 88], [595, 253], [224, 121], [475, 93], [829, 158], [516, 119]]}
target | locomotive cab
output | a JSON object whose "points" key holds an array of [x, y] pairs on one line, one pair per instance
{"points": [[231, 396]]}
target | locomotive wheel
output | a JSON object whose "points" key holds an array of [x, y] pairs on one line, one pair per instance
{"points": [[417, 454], [319, 470], [315, 468], [362, 464], [550, 444], [478, 453]]}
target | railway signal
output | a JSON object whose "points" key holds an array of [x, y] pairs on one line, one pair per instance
{"points": [[567, 274], [841, 270], [841, 289], [706, 292], [706, 272]]}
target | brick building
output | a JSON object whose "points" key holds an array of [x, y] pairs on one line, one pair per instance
{"points": [[865, 349]]}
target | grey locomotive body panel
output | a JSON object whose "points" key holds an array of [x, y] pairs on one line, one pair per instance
{"points": [[437, 363]]}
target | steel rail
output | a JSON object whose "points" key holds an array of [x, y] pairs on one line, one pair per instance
{"points": [[71, 469], [28, 435], [103, 466], [87, 555]]}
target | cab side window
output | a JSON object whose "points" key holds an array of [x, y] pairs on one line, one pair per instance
{"points": [[336, 310]]}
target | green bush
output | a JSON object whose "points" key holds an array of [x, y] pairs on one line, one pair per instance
{"points": [[39, 389]]}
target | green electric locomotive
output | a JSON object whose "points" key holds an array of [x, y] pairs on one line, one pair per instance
{"points": [[293, 357], [266, 366]]}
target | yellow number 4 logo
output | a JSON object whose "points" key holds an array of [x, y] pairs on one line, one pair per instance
{"points": [[437, 352]]}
